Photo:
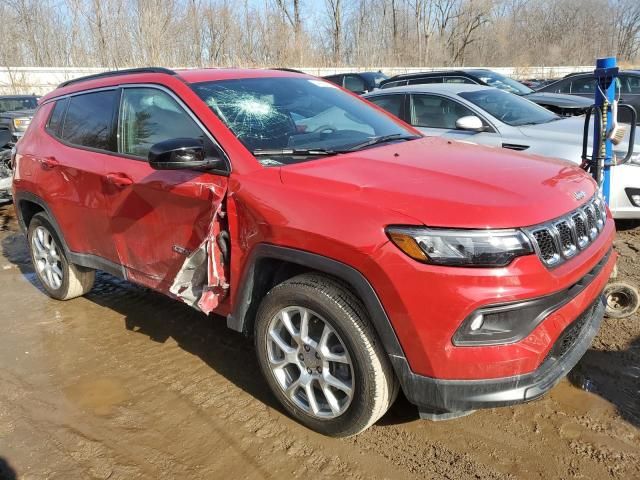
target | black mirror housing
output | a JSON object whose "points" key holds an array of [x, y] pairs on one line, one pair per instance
{"points": [[181, 153]]}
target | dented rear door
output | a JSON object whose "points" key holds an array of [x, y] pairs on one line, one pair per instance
{"points": [[161, 219]]}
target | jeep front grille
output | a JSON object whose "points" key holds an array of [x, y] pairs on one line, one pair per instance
{"points": [[559, 240]]}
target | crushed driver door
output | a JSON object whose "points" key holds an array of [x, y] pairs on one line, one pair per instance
{"points": [[165, 222]]}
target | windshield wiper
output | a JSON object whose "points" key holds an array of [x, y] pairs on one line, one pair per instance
{"points": [[382, 139], [293, 152]]}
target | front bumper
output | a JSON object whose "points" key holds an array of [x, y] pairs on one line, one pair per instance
{"points": [[462, 395]]}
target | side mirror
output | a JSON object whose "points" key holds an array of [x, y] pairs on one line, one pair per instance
{"points": [[181, 153], [470, 123]]}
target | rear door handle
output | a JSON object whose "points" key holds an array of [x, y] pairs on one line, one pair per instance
{"points": [[119, 180], [48, 162]]}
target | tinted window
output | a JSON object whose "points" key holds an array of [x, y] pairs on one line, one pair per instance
{"points": [[391, 103], [459, 80], [149, 116], [564, 88], [508, 108], [294, 113], [422, 81], [436, 112], [89, 120], [398, 83], [583, 85], [337, 79], [507, 84], [631, 84], [354, 83], [18, 103], [57, 116]]}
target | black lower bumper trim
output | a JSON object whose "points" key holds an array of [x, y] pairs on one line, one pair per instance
{"points": [[457, 395]]}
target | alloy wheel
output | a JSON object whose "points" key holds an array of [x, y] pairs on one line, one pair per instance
{"points": [[310, 362]]}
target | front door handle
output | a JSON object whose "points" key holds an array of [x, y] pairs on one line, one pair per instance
{"points": [[120, 180]]}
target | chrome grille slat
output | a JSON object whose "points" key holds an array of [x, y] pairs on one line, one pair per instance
{"points": [[561, 239]]}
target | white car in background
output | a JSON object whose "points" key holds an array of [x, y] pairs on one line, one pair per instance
{"points": [[489, 116]]}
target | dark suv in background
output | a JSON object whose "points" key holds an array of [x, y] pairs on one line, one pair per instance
{"points": [[16, 112], [358, 82], [583, 85], [565, 105]]}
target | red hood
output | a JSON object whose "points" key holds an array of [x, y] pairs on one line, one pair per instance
{"points": [[443, 183]]}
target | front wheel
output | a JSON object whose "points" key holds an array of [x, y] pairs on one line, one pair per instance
{"points": [[321, 357]]}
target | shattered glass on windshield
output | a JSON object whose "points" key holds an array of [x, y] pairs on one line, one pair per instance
{"points": [[294, 113]]}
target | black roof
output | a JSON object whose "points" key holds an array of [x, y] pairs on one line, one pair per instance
{"points": [[126, 71]]}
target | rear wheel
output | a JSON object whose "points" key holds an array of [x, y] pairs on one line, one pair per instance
{"points": [[321, 357], [61, 279]]}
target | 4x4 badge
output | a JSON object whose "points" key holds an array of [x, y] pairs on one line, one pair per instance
{"points": [[579, 195]]}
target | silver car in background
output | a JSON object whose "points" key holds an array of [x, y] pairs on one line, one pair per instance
{"points": [[488, 116]]}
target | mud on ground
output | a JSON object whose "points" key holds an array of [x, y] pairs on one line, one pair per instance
{"points": [[127, 384]]}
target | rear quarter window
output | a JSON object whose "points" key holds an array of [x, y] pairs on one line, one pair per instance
{"points": [[56, 119], [89, 121]]}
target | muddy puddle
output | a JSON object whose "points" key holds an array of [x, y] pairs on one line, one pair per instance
{"points": [[127, 384]]}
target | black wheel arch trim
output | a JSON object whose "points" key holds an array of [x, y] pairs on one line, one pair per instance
{"points": [[82, 259], [239, 319]]}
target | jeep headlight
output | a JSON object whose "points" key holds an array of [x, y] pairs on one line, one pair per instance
{"points": [[473, 248], [21, 123]]}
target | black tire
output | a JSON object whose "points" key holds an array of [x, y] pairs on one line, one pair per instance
{"points": [[375, 384], [76, 280], [621, 300]]}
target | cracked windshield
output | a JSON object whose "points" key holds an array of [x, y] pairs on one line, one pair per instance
{"points": [[290, 120]]}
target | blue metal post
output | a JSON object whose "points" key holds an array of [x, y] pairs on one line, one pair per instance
{"points": [[606, 73]]}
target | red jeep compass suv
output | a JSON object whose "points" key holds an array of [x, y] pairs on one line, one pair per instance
{"points": [[361, 256]]}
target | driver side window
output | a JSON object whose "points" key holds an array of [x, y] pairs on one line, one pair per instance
{"points": [[149, 116], [432, 111]]}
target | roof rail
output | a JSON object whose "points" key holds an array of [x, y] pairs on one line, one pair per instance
{"points": [[114, 73]]}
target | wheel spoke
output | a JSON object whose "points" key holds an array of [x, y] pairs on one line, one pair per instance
{"points": [[311, 397], [49, 274], [286, 321], [337, 383], [336, 357], [305, 317], [293, 388], [331, 399], [56, 274], [282, 345]]}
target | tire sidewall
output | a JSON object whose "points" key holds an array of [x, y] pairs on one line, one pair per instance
{"points": [[40, 220], [305, 296]]}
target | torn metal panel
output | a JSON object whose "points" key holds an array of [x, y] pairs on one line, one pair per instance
{"points": [[201, 281]]}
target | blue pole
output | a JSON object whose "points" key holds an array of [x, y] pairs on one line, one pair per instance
{"points": [[605, 74]]}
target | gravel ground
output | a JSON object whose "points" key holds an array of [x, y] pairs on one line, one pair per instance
{"points": [[125, 384]]}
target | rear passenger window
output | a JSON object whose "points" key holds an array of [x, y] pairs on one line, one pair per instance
{"points": [[391, 103], [57, 116], [89, 120], [149, 116]]}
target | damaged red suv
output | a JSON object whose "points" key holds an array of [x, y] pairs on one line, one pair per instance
{"points": [[362, 257]]}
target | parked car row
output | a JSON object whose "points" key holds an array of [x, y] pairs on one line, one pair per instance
{"points": [[489, 116], [561, 104]]}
